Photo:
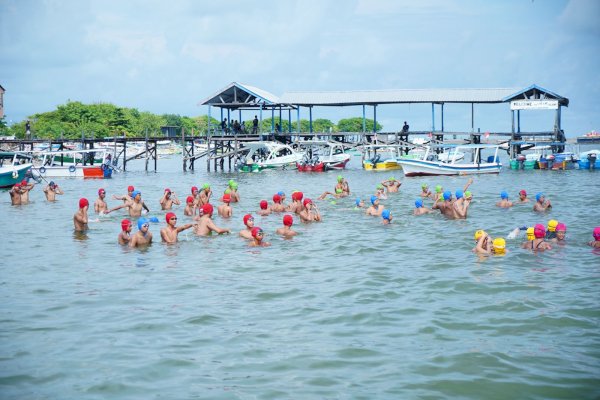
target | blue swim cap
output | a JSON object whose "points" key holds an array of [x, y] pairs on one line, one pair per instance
{"points": [[154, 219], [281, 193], [141, 222], [504, 194], [459, 194], [419, 203], [447, 195], [374, 199], [135, 193], [357, 200], [386, 214], [539, 196]]}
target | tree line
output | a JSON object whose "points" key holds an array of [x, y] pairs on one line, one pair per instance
{"points": [[75, 119]]}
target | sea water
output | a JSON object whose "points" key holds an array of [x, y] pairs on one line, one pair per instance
{"points": [[349, 308]]}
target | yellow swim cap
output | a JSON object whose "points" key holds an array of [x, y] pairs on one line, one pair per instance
{"points": [[552, 225], [479, 234], [530, 235], [499, 245]]}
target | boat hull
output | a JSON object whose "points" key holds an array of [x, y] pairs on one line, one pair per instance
{"points": [[11, 175], [69, 171], [431, 168], [319, 167], [388, 165]]}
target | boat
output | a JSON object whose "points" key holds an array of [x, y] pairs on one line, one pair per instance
{"points": [[14, 167], [330, 154], [310, 166], [430, 164], [378, 157], [93, 163], [589, 138], [257, 156]]}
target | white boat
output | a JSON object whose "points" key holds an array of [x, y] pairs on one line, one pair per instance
{"points": [[93, 163], [13, 167], [257, 156], [430, 164], [380, 157], [331, 154]]}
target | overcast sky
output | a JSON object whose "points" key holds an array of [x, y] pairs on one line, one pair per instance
{"points": [[166, 56]]}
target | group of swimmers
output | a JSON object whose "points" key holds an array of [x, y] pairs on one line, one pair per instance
{"points": [[198, 207]]}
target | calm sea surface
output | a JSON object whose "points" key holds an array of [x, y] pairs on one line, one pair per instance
{"points": [[348, 309]]}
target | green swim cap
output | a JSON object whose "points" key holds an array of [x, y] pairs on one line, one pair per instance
{"points": [[206, 186], [234, 185], [231, 182], [424, 186], [468, 193], [392, 179], [340, 178], [227, 191], [438, 188], [380, 186]]}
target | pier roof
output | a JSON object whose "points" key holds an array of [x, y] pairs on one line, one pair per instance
{"points": [[535, 92], [237, 95]]}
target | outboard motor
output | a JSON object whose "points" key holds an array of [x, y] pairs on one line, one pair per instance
{"points": [[550, 160], [521, 160], [592, 159]]}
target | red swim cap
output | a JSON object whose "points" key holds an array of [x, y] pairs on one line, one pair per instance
{"points": [[523, 192], [226, 198], [264, 204], [306, 201], [207, 209], [24, 182], [276, 198], [189, 199], [17, 185], [539, 231], [194, 189], [125, 224], [100, 191], [83, 203], [168, 190], [288, 220], [255, 231], [246, 218], [169, 216], [297, 196], [130, 188]]}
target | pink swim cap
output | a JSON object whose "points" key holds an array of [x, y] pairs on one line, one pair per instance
{"points": [[83, 203], [288, 220], [100, 191], [561, 227], [523, 192], [597, 233], [264, 204], [539, 231], [168, 190]]}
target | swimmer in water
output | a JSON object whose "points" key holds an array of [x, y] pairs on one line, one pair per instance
{"points": [[392, 185], [380, 192], [52, 190], [504, 202], [168, 199], [596, 234], [143, 236], [169, 233], [80, 219], [277, 206], [125, 197], [499, 247], [523, 196], [125, 234], [25, 189], [249, 222], [205, 225], [561, 232], [257, 238], [296, 204], [310, 213], [233, 191], [425, 192], [205, 194], [438, 195], [446, 207], [281, 194], [551, 229], [100, 205], [359, 203], [375, 209], [264, 208], [541, 204], [134, 207], [190, 208], [225, 210], [420, 209], [460, 205], [286, 231], [538, 243], [387, 217], [482, 243], [15, 194]]}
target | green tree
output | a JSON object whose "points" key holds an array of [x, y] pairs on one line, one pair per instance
{"points": [[356, 125]]}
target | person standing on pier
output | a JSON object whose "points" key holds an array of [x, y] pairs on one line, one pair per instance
{"points": [[255, 125], [28, 130], [405, 128]]}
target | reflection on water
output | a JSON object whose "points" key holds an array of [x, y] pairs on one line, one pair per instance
{"points": [[348, 308]]}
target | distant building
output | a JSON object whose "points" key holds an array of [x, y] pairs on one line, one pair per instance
{"points": [[2, 102]]}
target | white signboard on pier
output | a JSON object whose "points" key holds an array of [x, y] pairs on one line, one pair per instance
{"points": [[534, 104]]}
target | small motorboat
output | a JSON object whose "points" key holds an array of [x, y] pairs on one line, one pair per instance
{"points": [[14, 167]]}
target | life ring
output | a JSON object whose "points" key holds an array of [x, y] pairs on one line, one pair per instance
{"points": [[15, 174], [42, 170], [72, 168]]}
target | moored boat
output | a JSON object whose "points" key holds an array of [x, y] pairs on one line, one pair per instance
{"points": [[14, 167], [257, 156], [73, 164]]}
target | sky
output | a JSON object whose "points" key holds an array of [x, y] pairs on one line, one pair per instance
{"points": [[167, 56]]}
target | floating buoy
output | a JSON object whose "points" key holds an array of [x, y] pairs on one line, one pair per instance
{"points": [[42, 170], [72, 168]]}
